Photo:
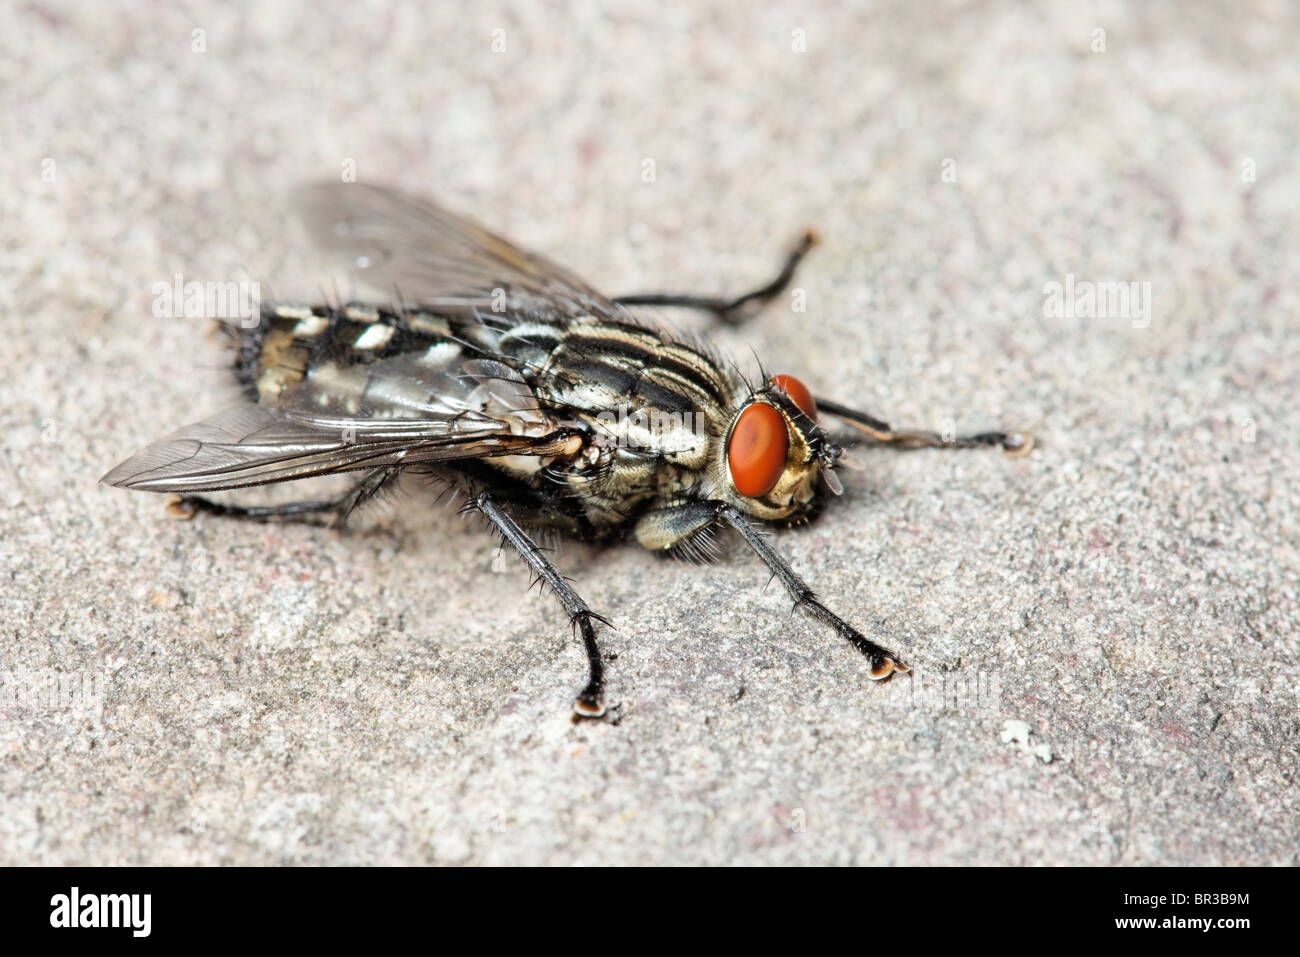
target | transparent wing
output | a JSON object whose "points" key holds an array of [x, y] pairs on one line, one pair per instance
{"points": [[253, 445], [402, 415], [397, 244]]}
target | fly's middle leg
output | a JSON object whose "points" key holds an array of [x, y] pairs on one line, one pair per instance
{"points": [[590, 701], [733, 310], [333, 512]]}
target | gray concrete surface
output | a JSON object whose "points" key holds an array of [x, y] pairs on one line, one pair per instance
{"points": [[1105, 633]]}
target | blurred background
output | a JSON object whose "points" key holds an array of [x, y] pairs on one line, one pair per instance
{"points": [[1105, 633]]}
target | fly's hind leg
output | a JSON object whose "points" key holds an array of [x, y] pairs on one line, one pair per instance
{"points": [[590, 701], [731, 310], [332, 512]]}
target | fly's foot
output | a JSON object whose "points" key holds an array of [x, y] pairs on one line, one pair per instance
{"points": [[180, 507], [881, 662], [1017, 445], [588, 706], [884, 665]]}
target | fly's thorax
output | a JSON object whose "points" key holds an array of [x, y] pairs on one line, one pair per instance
{"points": [[647, 397], [645, 432]]}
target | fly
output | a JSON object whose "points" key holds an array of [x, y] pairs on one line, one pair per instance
{"points": [[544, 403]]}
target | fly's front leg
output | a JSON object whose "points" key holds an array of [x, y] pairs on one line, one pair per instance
{"points": [[335, 512], [729, 310], [666, 528], [590, 702], [1014, 444]]}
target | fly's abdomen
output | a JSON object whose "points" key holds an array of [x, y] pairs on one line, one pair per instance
{"points": [[360, 361], [293, 342]]}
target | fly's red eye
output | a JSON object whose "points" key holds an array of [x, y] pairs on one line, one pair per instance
{"points": [[798, 393], [758, 449]]}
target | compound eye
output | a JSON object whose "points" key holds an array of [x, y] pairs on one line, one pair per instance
{"points": [[798, 393], [758, 450]]}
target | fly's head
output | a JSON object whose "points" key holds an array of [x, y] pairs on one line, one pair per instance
{"points": [[775, 453]]}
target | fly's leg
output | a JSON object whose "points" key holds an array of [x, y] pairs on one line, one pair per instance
{"points": [[667, 527], [1014, 444], [333, 512], [590, 702], [740, 308], [883, 662]]}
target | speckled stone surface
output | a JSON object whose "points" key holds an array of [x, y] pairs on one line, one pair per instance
{"points": [[1105, 633]]}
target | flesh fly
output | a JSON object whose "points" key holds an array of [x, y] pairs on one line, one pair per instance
{"points": [[546, 404]]}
